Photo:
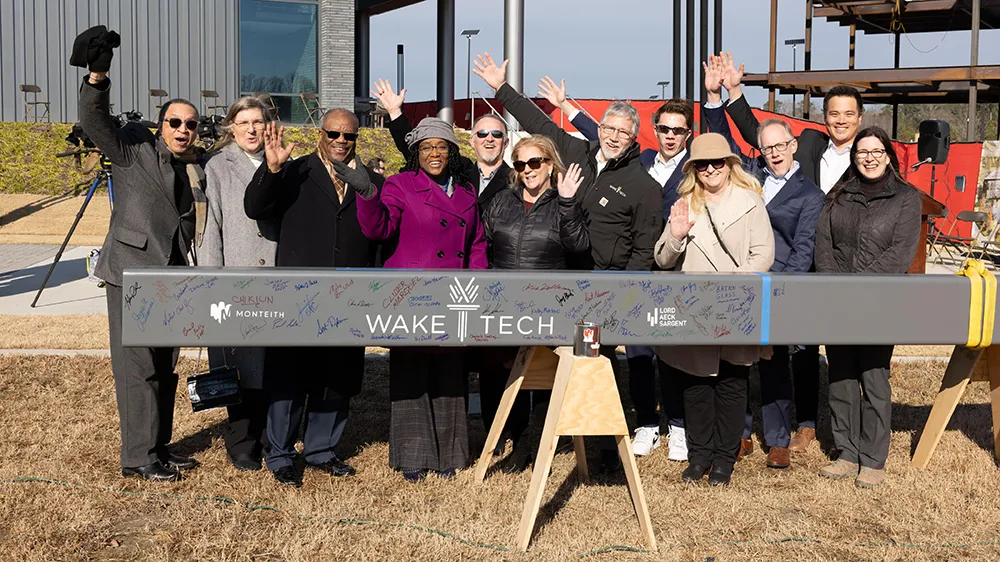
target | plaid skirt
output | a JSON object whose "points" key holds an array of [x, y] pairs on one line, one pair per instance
{"points": [[429, 425]]}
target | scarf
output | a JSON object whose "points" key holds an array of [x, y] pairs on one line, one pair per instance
{"points": [[196, 175]]}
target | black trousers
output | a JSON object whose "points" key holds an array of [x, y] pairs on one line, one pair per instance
{"points": [[145, 385], [642, 388], [776, 397], [246, 433], [860, 402], [714, 409], [805, 369], [493, 375]]}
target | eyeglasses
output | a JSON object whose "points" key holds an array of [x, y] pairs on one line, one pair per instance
{"points": [[615, 132], [244, 125], [533, 163], [876, 154], [702, 165], [191, 124], [677, 131], [334, 135], [483, 133], [427, 149], [779, 147]]}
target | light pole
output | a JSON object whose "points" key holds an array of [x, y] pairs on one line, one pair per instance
{"points": [[663, 88], [468, 33], [794, 43]]}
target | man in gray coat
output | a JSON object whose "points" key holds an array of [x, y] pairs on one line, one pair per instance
{"points": [[158, 179]]}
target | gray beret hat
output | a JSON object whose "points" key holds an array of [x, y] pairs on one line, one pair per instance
{"points": [[431, 128]]}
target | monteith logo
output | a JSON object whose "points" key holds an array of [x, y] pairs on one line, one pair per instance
{"points": [[463, 299], [220, 311]]}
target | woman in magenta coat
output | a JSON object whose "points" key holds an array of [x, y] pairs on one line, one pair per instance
{"points": [[428, 216]]}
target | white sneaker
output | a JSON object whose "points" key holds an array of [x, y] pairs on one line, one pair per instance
{"points": [[646, 439], [677, 447]]}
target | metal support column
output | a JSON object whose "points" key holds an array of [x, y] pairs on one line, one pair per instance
{"points": [[689, 52], [362, 50], [850, 55], [446, 60], [513, 48], [771, 67], [717, 32], [702, 56], [973, 128], [895, 105], [677, 48], [807, 58]]}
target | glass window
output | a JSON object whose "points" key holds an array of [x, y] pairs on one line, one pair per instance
{"points": [[278, 53]]}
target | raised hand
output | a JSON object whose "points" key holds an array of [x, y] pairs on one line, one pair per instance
{"points": [[732, 77], [390, 100], [714, 71], [554, 93], [488, 70], [275, 151], [568, 184], [680, 219]]}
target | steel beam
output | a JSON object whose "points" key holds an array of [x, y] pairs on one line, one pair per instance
{"points": [[322, 307], [772, 56], [806, 99], [513, 49], [446, 60], [971, 134], [677, 50]]}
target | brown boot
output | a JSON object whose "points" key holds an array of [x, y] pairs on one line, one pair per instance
{"points": [[840, 469], [746, 447], [801, 439], [778, 457], [869, 477]]}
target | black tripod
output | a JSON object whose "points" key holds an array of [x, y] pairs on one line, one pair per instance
{"points": [[103, 175]]}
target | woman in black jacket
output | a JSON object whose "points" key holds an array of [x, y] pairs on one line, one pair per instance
{"points": [[869, 224], [529, 226]]}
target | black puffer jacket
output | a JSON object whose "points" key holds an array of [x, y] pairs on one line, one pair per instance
{"points": [[858, 235], [540, 238]]}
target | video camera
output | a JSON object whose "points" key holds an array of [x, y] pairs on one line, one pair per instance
{"points": [[210, 128], [78, 138]]}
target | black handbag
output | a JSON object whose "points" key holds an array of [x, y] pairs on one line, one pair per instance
{"points": [[213, 388]]}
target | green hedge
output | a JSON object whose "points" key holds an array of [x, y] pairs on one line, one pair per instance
{"points": [[28, 163]]}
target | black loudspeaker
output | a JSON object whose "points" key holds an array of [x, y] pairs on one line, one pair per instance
{"points": [[934, 141]]}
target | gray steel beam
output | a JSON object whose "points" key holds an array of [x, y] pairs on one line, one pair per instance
{"points": [[513, 50], [362, 57], [971, 134], [446, 60], [318, 307]]}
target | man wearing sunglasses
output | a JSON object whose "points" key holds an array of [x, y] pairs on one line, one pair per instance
{"points": [[159, 212], [794, 204], [488, 139], [314, 199]]}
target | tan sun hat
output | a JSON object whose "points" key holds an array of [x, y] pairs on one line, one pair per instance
{"points": [[710, 146]]}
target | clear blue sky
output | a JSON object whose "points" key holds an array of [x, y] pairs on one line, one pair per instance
{"points": [[623, 52]]}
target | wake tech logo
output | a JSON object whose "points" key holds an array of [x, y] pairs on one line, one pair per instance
{"points": [[220, 311]]}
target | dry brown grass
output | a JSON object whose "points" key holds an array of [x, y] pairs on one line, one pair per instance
{"points": [[45, 219], [61, 331], [58, 421]]}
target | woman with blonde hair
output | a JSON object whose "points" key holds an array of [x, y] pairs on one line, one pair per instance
{"points": [[529, 226], [233, 240], [720, 223]]}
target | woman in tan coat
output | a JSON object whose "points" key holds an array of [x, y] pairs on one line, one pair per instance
{"points": [[720, 224]]}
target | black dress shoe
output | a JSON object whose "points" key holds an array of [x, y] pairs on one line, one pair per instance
{"points": [[287, 475], [178, 462], [693, 473], [610, 461], [154, 472], [720, 477], [245, 462], [335, 467]]}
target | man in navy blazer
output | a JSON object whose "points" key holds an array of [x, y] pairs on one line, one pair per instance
{"points": [[673, 121], [793, 205]]}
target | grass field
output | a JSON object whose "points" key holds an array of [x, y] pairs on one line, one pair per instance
{"points": [[58, 424]]}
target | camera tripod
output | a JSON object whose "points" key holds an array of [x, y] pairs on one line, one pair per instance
{"points": [[103, 176]]}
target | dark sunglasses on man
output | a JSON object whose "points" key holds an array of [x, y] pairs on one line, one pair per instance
{"points": [[483, 133], [702, 165], [677, 131], [533, 163], [191, 124], [334, 135]]}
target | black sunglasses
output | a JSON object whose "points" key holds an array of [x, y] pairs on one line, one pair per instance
{"points": [[677, 131], [334, 135], [533, 163], [702, 165], [192, 124], [483, 133]]}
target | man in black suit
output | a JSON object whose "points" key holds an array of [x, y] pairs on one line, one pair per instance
{"points": [[489, 141], [313, 197], [158, 180], [823, 158]]}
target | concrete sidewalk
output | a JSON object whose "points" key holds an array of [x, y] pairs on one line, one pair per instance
{"points": [[22, 268]]}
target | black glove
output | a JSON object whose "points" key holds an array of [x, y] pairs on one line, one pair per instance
{"points": [[94, 48], [356, 178]]}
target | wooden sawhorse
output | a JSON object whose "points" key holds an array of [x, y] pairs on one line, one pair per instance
{"points": [[966, 365], [585, 401]]}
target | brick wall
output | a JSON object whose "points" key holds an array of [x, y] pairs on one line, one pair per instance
{"points": [[336, 56]]}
